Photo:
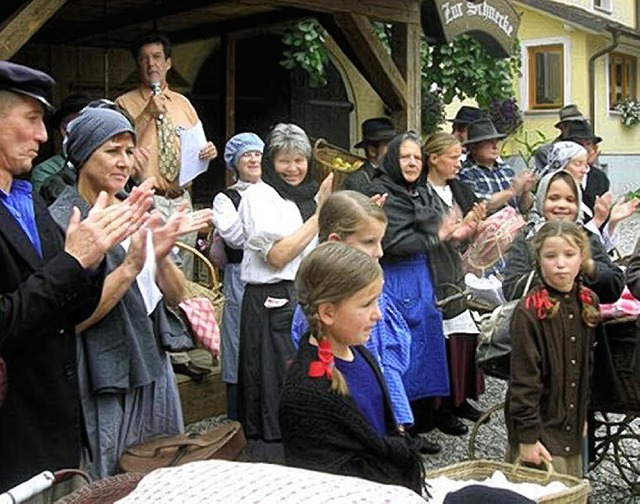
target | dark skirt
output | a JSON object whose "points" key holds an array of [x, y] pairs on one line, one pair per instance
{"points": [[467, 381], [266, 349]]}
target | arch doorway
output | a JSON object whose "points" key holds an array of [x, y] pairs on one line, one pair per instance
{"points": [[266, 94]]}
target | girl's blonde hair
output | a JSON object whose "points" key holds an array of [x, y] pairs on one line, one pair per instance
{"points": [[344, 212], [332, 273], [573, 233], [438, 143]]}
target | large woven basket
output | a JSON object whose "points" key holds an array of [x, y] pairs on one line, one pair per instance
{"points": [[325, 154], [577, 491], [209, 287]]}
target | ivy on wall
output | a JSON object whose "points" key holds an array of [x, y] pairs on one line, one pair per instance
{"points": [[462, 69]]}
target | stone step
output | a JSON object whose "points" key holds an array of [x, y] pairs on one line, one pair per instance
{"points": [[206, 398]]}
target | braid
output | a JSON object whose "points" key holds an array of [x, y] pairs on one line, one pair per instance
{"points": [[338, 381], [590, 312]]}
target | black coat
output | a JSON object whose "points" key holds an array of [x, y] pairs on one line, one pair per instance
{"points": [[41, 300], [597, 184], [326, 432], [361, 179]]}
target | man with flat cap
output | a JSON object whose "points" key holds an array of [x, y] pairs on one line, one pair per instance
{"points": [[569, 115], [48, 283], [376, 134]]}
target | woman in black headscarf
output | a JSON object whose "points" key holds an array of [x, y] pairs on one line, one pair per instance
{"points": [[414, 227], [280, 221]]}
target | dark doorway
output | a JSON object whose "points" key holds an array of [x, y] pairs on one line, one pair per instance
{"points": [[266, 94]]}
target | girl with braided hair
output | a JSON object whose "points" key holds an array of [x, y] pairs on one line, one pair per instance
{"points": [[335, 412], [554, 328]]}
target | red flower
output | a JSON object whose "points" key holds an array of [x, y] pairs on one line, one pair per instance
{"points": [[540, 302], [325, 363]]}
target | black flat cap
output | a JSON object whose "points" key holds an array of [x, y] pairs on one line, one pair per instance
{"points": [[26, 81]]}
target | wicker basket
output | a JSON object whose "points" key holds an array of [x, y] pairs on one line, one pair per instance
{"points": [[324, 154], [577, 490], [209, 288]]}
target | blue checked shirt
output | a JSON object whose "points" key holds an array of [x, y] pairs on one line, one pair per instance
{"points": [[485, 182]]}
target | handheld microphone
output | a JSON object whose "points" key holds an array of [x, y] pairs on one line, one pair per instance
{"points": [[155, 88]]}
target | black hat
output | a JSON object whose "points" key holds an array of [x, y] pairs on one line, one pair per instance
{"points": [[570, 113], [467, 115], [27, 81], [72, 104], [376, 129], [580, 131], [481, 130]]}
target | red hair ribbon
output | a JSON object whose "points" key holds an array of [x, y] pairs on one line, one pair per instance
{"points": [[540, 302], [324, 365], [585, 296]]}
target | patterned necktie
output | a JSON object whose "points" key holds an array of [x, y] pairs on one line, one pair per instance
{"points": [[168, 163]]}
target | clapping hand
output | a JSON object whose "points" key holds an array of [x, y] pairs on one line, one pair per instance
{"points": [[601, 208], [326, 188], [379, 199]]}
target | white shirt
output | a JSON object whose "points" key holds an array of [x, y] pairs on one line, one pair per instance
{"points": [[267, 218], [226, 218]]}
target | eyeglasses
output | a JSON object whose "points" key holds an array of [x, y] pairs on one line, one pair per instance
{"points": [[250, 154]]}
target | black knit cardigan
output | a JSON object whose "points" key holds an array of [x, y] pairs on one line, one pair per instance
{"points": [[324, 431]]}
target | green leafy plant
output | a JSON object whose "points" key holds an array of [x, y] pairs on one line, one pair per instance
{"points": [[629, 111], [529, 142], [306, 49]]}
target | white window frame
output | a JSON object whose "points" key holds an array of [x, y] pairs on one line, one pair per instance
{"points": [[524, 80], [605, 5]]}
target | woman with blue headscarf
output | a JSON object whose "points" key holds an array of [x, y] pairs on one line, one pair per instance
{"points": [[127, 388], [243, 157]]}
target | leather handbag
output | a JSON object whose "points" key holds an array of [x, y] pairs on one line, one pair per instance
{"points": [[493, 354], [225, 442]]}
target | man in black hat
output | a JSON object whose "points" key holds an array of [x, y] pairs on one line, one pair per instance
{"points": [[595, 183], [465, 116], [490, 178], [376, 134], [569, 114], [48, 284], [69, 109]]}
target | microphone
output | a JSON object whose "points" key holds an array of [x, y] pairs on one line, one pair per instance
{"points": [[155, 87]]}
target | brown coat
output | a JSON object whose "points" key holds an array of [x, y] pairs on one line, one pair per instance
{"points": [[551, 364]]}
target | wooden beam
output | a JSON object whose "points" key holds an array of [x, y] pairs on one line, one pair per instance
{"points": [[392, 11], [229, 45], [360, 43], [27, 20], [405, 51]]}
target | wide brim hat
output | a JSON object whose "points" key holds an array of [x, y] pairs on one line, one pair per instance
{"points": [[467, 115], [580, 131], [374, 130], [570, 113], [26, 81], [481, 130]]}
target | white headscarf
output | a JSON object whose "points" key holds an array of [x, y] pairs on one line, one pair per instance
{"points": [[560, 155]]}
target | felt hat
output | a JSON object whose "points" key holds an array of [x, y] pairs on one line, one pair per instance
{"points": [[481, 130], [376, 129], [580, 131], [467, 114], [72, 104], [570, 113], [26, 81]]}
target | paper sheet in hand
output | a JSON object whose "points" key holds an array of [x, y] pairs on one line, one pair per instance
{"points": [[192, 141]]}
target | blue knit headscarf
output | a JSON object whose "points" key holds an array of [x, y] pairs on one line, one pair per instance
{"points": [[90, 129]]}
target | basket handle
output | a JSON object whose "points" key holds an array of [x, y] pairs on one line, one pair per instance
{"points": [[215, 282], [547, 463]]}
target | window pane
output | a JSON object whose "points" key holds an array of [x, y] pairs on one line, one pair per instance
{"points": [[548, 78]]}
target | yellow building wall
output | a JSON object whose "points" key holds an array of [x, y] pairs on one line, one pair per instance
{"points": [[624, 11]]}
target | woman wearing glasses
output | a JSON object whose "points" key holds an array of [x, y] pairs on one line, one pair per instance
{"points": [[413, 229], [243, 157], [127, 387]]}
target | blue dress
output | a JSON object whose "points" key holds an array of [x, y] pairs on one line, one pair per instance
{"points": [[389, 344]]}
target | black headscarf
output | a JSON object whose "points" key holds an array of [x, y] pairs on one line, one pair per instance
{"points": [[413, 219], [302, 195]]}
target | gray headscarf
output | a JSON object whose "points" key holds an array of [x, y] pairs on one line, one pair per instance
{"points": [[89, 130]]}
